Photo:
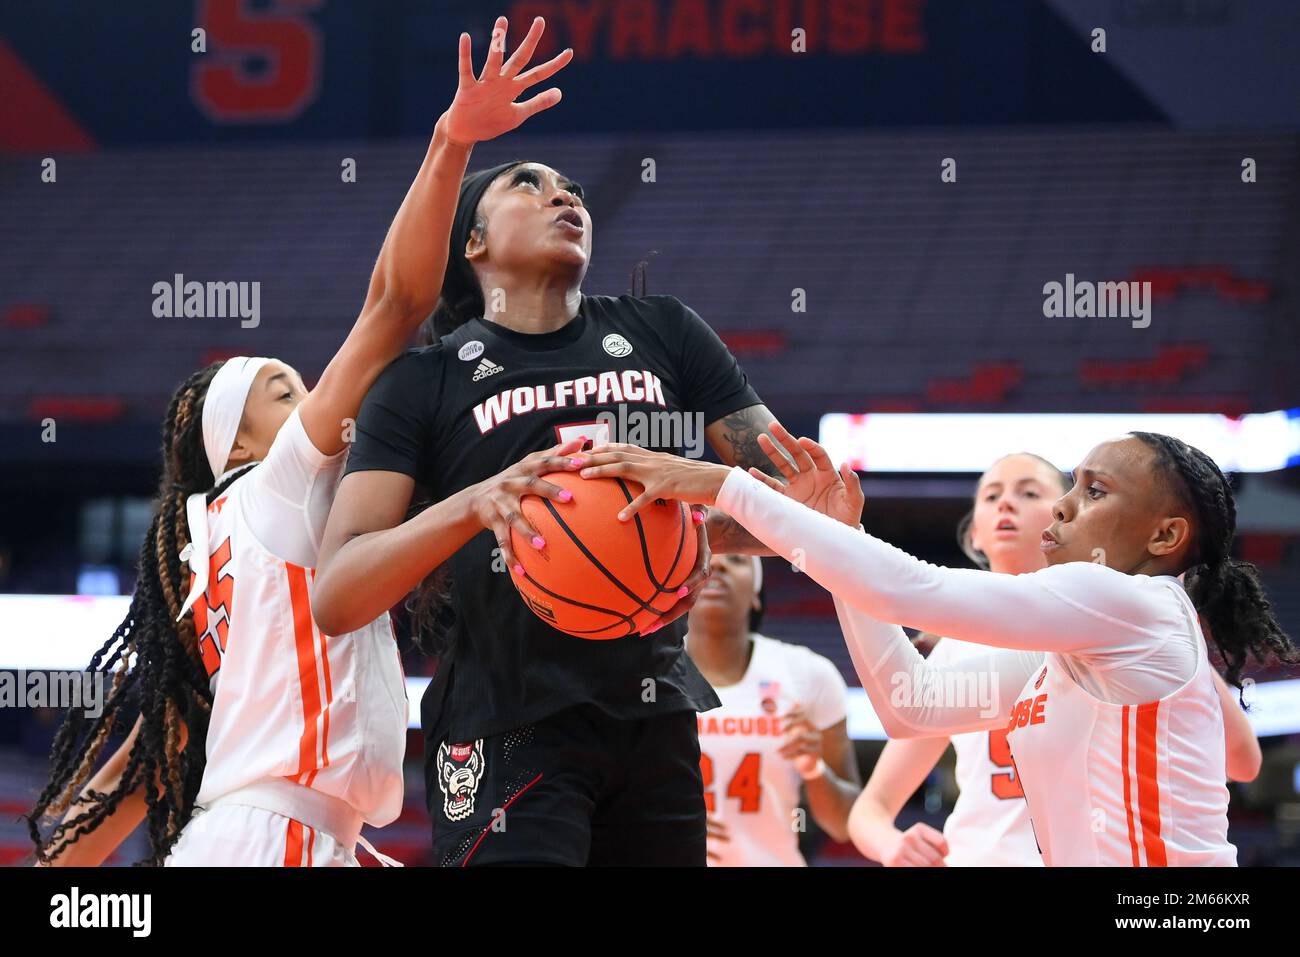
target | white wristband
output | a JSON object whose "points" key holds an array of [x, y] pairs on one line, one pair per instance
{"points": [[819, 770]]}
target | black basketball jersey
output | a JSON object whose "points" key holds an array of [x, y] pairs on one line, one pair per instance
{"points": [[460, 411]]}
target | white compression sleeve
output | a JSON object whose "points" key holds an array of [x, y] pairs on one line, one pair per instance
{"points": [[916, 698], [1080, 607]]}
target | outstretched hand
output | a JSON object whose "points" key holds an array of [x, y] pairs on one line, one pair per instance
{"points": [[810, 477], [485, 107]]}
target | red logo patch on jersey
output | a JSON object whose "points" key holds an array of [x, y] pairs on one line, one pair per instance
{"points": [[767, 695]]}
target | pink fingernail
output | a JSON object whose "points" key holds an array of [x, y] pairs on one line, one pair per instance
{"points": [[539, 542], [566, 496], [698, 516], [683, 592], [519, 570]]}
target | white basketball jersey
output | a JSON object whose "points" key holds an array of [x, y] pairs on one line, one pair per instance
{"points": [[989, 824], [327, 712], [1111, 785], [747, 784]]}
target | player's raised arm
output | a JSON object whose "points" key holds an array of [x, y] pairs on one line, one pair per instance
{"points": [[407, 277]]}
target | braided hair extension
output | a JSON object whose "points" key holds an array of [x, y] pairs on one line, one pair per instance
{"points": [[1226, 592], [166, 683]]}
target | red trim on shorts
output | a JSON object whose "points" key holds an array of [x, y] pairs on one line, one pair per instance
{"points": [[465, 863]]}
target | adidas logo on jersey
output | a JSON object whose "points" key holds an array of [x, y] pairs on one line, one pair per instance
{"points": [[486, 368]]}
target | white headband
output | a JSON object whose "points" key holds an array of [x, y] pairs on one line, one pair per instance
{"points": [[758, 574], [223, 410]]}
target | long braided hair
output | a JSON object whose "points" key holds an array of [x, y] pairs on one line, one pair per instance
{"points": [[156, 668], [1226, 592]]}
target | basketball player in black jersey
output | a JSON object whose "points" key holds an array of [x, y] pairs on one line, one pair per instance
{"points": [[540, 747]]}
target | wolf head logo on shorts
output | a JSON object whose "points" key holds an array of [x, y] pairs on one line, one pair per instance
{"points": [[460, 768]]}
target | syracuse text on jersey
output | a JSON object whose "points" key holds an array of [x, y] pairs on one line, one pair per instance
{"points": [[1031, 710], [764, 725]]}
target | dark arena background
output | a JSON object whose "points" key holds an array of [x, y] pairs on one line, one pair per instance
{"points": [[868, 223]]}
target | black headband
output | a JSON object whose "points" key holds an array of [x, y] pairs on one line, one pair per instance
{"points": [[459, 281]]}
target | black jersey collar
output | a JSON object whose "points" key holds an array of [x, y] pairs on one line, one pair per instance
{"points": [[538, 341]]}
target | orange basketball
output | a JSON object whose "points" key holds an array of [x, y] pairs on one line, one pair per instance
{"points": [[598, 577]]}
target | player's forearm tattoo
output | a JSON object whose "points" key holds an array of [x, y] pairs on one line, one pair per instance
{"points": [[741, 432], [726, 535]]}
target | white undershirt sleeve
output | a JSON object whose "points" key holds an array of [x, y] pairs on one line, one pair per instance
{"points": [[290, 494], [918, 698], [1102, 619], [1078, 607]]}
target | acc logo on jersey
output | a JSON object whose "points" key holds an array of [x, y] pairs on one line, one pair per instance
{"points": [[460, 768], [470, 351], [1039, 683], [616, 345], [767, 693]]}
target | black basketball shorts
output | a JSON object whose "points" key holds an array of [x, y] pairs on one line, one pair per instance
{"points": [[580, 787]]}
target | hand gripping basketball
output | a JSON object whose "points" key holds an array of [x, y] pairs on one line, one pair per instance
{"points": [[599, 578], [665, 476], [495, 502]]}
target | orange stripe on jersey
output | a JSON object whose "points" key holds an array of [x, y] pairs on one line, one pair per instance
{"points": [[307, 681], [1128, 802], [329, 700], [293, 845], [308, 779], [311, 844], [1149, 784]]}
